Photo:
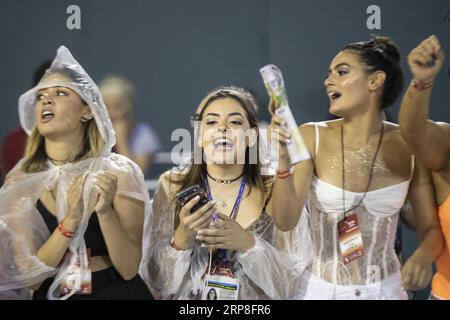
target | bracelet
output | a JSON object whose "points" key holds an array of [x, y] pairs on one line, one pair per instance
{"points": [[422, 86], [283, 174], [66, 233]]}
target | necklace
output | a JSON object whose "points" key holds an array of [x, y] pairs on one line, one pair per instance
{"points": [[60, 161], [224, 181], [370, 173], [235, 209], [223, 203]]}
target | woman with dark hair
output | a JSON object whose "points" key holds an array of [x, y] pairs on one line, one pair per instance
{"points": [[356, 182], [212, 294], [72, 214], [232, 239]]}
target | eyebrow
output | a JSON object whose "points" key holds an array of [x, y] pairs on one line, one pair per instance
{"points": [[230, 114], [340, 65], [212, 114], [235, 114], [57, 87]]}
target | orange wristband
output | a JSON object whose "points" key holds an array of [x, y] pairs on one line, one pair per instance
{"points": [[66, 233], [283, 174]]}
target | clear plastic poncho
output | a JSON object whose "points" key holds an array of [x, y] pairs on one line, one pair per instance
{"points": [[22, 229], [271, 269]]}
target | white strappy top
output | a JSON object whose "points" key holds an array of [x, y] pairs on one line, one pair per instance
{"points": [[377, 215]]}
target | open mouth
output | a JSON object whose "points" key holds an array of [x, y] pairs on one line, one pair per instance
{"points": [[223, 144], [47, 116], [334, 95]]}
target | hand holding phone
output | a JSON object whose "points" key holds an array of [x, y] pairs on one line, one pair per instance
{"points": [[190, 193], [195, 214]]}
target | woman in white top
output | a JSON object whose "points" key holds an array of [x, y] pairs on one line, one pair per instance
{"points": [[355, 184]]}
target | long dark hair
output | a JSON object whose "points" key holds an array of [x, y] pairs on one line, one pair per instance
{"points": [[252, 172]]}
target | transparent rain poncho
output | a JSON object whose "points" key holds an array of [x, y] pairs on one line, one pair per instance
{"points": [[22, 229], [271, 269]]}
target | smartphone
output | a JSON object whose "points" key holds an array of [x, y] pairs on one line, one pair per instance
{"points": [[187, 194]]}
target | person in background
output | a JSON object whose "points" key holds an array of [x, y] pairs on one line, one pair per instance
{"points": [[13, 145], [135, 140]]}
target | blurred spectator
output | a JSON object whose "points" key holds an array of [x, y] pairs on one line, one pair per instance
{"points": [[135, 140], [13, 145]]}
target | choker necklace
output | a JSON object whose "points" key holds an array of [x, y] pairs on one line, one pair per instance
{"points": [[224, 181]]}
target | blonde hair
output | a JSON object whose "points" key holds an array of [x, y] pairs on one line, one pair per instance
{"points": [[35, 157], [119, 87]]}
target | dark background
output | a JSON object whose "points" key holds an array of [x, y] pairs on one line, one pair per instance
{"points": [[175, 51]]}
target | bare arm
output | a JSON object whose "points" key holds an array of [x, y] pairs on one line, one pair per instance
{"points": [[417, 271], [289, 194], [53, 250], [426, 139], [122, 228], [121, 224]]}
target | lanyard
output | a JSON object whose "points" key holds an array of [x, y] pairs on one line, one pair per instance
{"points": [[371, 169], [221, 253], [235, 209]]}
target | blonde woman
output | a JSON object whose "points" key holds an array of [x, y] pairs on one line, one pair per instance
{"points": [[72, 212], [135, 140]]}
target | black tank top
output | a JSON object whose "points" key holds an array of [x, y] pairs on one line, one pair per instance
{"points": [[93, 236]]}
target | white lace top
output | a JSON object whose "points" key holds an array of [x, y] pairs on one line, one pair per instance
{"points": [[377, 216]]}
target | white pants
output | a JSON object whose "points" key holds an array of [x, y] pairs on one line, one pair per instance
{"points": [[314, 288]]}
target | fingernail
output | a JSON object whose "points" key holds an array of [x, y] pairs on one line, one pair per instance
{"points": [[198, 237], [197, 197], [288, 141]]}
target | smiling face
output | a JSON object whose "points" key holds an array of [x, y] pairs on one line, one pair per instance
{"points": [[224, 132], [58, 110], [348, 85]]}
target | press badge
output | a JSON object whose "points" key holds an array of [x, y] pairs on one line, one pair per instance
{"points": [[350, 239], [75, 279], [220, 287]]}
